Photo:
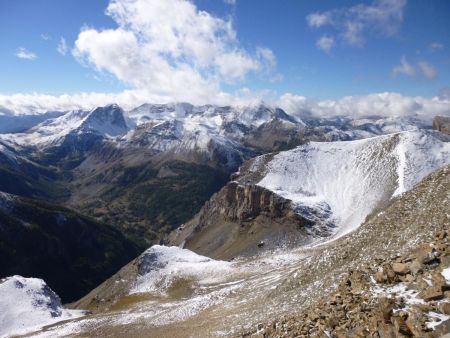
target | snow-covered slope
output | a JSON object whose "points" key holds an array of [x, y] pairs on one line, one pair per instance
{"points": [[340, 183], [27, 304], [160, 266], [105, 121]]}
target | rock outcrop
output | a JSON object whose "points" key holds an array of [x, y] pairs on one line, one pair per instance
{"points": [[442, 124], [241, 216]]}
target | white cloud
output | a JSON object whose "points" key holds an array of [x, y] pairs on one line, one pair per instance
{"points": [[45, 37], [436, 45], [230, 2], [424, 68], [325, 43], [404, 68], [25, 54], [169, 49], [427, 69], [351, 24], [379, 104], [316, 20], [62, 47]]}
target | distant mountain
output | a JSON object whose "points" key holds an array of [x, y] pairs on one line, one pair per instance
{"points": [[10, 123]]}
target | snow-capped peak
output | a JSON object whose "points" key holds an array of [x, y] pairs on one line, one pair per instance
{"points": [[105, 121], [108, 121]]}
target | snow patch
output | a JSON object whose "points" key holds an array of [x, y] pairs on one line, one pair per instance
{"points": [[160, 266], [28, 304], [446, 274]]}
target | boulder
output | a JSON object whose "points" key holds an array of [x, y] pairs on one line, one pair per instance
{"points": [[444, 308], [432, 293], [400, 268]]}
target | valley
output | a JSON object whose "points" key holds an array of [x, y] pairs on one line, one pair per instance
{"points": [[249, 229]]}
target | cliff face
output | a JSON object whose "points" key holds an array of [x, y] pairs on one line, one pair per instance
{"points": [[244, 219], [240, 204]]}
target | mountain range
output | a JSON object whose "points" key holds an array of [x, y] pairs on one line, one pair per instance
{"points": [[216, 199]]}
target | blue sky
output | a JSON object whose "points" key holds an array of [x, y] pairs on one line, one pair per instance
{"points": [[305, 48]]}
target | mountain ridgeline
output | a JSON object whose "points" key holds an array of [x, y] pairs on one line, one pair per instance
{"points": [[282, 201]]}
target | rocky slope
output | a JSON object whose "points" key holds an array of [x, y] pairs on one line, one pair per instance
{"points": [[399, 296], [314, 191], [171, 292]]}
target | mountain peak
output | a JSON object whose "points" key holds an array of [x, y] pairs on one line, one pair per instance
{"points": [[108, 120]]}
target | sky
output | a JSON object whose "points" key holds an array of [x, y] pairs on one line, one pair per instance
{"points": [[332, 56]]}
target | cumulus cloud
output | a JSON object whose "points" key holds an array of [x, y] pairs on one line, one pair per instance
{"points": [[316, 20], [325, 43], [404, 68], [379, 104], [170, 49], [23, 53], [40, 103], [352, 24], [62, 47]]}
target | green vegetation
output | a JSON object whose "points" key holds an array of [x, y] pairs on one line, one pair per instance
{"points": [[32, 185], [146, 203], [71, 252]]}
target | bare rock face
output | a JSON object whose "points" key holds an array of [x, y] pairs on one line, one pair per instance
{"points": [[240, 217], [239, 203], [442, 124]]}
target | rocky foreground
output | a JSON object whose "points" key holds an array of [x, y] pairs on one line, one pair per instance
{"points": [[401, 296]]}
